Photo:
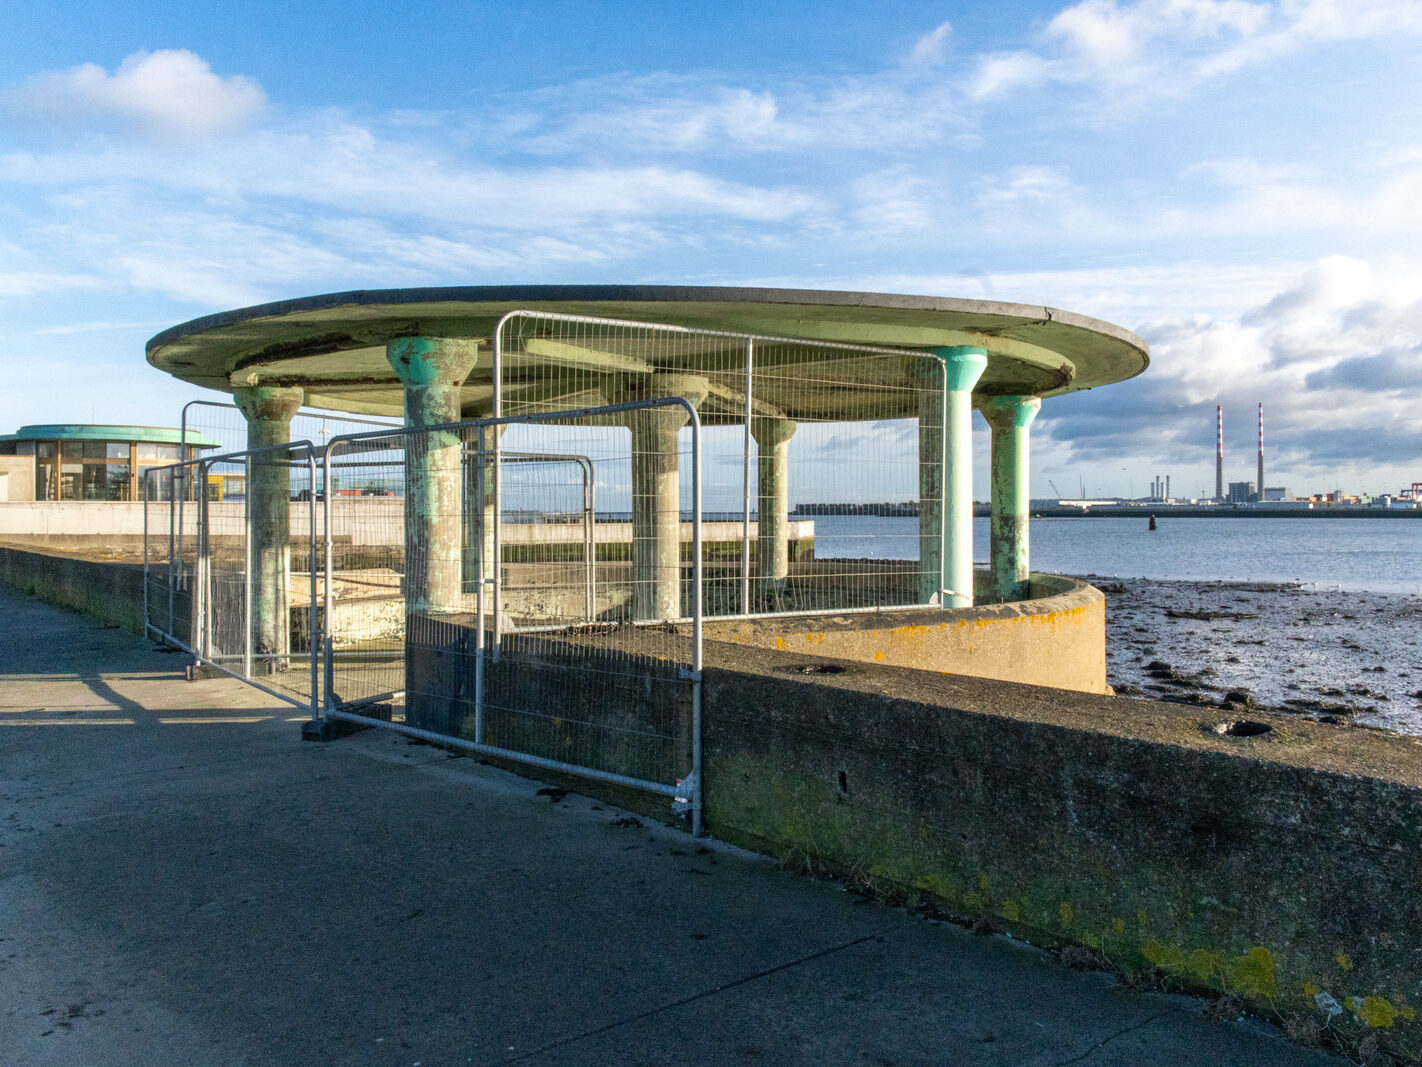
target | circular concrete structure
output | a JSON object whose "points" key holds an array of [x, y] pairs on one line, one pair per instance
{"points": [[333, 347]]}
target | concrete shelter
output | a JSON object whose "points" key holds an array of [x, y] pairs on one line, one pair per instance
{"points": [[426, 354]]}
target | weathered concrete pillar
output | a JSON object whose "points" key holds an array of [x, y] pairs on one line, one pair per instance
{"points": [[432, 370], [1010, 417], [963, 365], [772, 440], [268, 410], [656, 493], [931, 401]]}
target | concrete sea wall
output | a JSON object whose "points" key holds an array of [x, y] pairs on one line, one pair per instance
{"points": [[1280, 867], [1056, 639], [109, 591]]}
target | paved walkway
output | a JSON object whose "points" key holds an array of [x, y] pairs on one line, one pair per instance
{"points": [[183, 881]]}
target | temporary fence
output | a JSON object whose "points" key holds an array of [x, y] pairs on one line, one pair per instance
{"points": [[532, 585], [857, 430], [220, 578], [541, 659]]}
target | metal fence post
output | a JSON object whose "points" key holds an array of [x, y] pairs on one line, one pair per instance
{"points": [[314, 631], [746, 482], [247, 569], [327, 598], [479, 651], [697, 606], [203, 570]]}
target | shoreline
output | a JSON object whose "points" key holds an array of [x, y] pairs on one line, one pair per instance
{"points": [[1322, 654]]}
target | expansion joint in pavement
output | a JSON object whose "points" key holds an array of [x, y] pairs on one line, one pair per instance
{"points": [[694, 997]]}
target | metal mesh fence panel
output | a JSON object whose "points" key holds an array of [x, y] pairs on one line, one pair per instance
{"points": [[229, 575], [803, 442], [170, 555], [362, 601], [541, 657]]}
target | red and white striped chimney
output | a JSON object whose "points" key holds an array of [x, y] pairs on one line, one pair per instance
{"points": [[1261, 452], [1219, 452]]}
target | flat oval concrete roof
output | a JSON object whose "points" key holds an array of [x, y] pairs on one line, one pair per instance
{"points": [[333, 345], [75, 431]]}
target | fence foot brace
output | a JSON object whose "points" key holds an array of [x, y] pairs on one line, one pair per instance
{"points": [[329, 729], [197, 671]]}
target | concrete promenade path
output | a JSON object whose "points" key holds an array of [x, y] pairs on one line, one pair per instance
{"points": [[183, 881]]}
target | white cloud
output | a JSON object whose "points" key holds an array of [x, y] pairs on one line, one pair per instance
{"points": [[168, 94], [662, 113], [1335, 358], [1137, 50], [928, 49], [69, 328]]}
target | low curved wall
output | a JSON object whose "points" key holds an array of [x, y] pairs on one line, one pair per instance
{"points": [[1056, 639]]}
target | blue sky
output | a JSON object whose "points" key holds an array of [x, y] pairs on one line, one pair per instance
{"points": [[1239, 181]]}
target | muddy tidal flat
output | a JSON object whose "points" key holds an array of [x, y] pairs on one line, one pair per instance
{"points": [[1290, 648]]}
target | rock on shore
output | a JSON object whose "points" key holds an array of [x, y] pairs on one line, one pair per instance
{"points": [[1291, 648]]}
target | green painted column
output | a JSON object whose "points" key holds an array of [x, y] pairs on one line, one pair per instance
{"points": [[432, 370], [1010, 417], [772, 440], [656, 492], [963, 365], [931, 401], [268, 410]]}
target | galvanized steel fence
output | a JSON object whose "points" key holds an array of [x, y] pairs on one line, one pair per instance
{"points": [[532, 585]]}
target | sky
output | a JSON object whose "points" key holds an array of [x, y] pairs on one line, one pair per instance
{"points": [[1238, 181]]}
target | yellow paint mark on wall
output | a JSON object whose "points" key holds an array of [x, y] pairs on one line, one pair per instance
{"points": [[1253, 973], [1378, 1012], [780, 643], [879, 657]]}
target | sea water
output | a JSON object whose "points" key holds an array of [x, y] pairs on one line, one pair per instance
{"points": [[1373, 555]]}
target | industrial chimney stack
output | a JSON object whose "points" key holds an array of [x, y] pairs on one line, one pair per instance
{"points": [[1219, 453], [1261, 452]]}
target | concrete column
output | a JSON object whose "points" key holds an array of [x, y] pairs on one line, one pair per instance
{"points": [[963, 365], [931, 401], [1010, 417], [268, 410], [432, 370], [656, 493], [772, 439]]}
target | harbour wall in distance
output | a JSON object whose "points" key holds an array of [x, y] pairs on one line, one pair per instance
{"points": [[1190, 511]]}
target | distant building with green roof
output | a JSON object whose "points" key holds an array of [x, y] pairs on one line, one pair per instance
{"points": [[72, 461]]}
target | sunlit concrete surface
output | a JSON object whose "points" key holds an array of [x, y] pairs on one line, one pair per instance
{"points": [[183, 881]]}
